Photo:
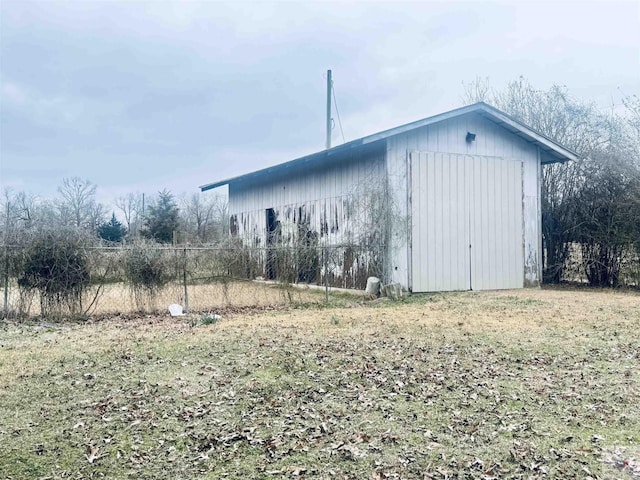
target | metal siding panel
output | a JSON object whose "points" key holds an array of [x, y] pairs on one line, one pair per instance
{"points": [[454, 214], [476, 230], [456, 143], [448, 224], [417, 209], [509, 211], [439, 222], [411, 142], [418, 139], [485, 277], [495, 259], [461, 229], [458, 216], [440, 237], [423, 233], [520, 219], [432, 224], [474, 179], [420, 208], [395, 256], [502, 266], [487, 213], [490, 232], [416, 253], [468, 219], [482, 141], [420, 257], [516, 222], [496, 235], [503, 240], [476, 224], [480, 223]]}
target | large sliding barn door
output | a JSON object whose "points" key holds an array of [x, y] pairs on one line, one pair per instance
{"points": [[466, 222]]}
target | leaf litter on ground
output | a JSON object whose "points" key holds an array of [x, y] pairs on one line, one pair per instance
{"points": [[527, 384]]}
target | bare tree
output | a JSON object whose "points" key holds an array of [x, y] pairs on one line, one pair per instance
{"points": [[479, 90], [632, 119], [553, 112], [583, 202], [25, 207], [23, 212], [131, 207], [203, 217], [77, 204]]}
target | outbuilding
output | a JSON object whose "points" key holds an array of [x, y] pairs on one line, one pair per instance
{"points": [[449, 202]]}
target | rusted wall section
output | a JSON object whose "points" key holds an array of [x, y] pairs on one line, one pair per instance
{"points": [[332, 208], [335, 227]]}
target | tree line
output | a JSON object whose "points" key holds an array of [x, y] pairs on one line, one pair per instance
{"points": [[590, 208], [194, 218]]}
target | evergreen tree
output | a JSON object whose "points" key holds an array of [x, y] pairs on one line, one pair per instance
{"points": [[162, 219], [112, 231]]}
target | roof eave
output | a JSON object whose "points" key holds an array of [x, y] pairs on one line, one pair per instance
{"points": [[560, 153], [340, 150], [553, 150]]}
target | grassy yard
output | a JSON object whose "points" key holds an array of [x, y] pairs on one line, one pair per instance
{"points": [[515, 384]]}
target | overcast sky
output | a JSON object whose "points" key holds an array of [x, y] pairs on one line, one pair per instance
{"points": [[139, 96]]}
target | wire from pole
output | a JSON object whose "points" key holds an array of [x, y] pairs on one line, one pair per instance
{"points": [[335, 102]]}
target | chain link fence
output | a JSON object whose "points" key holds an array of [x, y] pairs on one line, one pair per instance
{"points": [[62, 279]]}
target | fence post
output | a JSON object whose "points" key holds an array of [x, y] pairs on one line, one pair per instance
{"points": [[184, 280]]}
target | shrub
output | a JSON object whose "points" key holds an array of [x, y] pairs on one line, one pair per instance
{"points": [[55, 264], [147, 271], [237, 261]]}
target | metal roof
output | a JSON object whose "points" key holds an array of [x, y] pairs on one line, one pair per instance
{"points": [[552, 151]]}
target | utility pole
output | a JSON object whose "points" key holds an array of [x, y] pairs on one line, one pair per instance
{"points": [[329, 87]]}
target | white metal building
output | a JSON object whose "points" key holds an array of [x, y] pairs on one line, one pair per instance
{"points": [[465, 185]]}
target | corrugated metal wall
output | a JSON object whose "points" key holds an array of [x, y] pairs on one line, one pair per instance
{"points": [[333, 180], [329, 205]]}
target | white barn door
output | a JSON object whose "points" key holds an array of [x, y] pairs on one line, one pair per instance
{"points": [[466, 222]]}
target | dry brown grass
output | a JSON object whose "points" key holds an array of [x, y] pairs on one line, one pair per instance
{"points": [[118, 298], [517, 384]]}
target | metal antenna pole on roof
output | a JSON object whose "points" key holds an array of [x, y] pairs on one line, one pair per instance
{"points": [[329, 86], [328, 145]]}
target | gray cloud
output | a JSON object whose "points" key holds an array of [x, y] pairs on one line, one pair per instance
{"points": [[152, 94]]}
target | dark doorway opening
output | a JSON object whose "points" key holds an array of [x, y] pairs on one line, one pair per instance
{"points": [[272, 227]]}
